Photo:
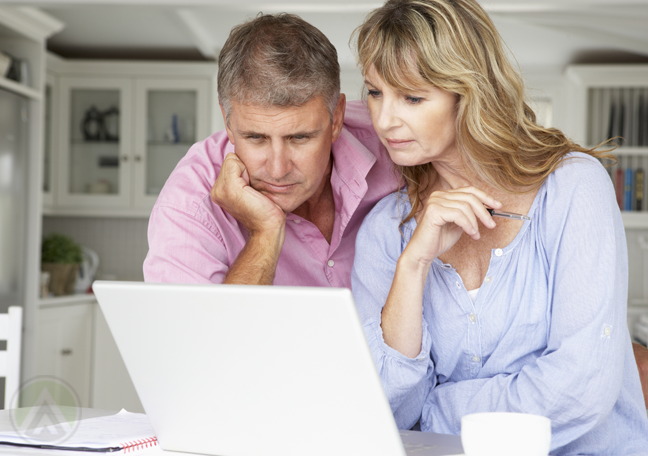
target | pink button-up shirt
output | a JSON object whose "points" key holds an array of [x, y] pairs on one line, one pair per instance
{"points": [[192, 240]]}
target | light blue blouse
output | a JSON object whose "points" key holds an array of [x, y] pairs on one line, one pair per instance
{"points": [[547, 333]]}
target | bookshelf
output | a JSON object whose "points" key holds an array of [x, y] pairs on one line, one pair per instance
{"points": [[607, 101]]}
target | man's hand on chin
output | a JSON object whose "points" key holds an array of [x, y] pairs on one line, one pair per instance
{"points": [[233, 193], [264, 220]]}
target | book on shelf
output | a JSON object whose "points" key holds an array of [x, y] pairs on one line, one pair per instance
{"points": [[629, 186], [620, 113], [626, 123], [639, 189], [618, 186], [605, 100], [634, 117], [595, 113], [613, 129], [627, 190], [641, 120]]}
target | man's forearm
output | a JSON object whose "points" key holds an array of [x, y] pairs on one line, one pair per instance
{"points": [[257, 262]]}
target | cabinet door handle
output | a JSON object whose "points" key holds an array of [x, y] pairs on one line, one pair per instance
{"points": [[125, 158], [66, 352], [138, 158]]}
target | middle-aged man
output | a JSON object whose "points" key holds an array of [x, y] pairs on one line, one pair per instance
{"points": [[305, 173], [295, 172]]}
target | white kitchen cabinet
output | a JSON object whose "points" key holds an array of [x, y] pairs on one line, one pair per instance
{"points": [[64, 347], [94, 163], [177, 115], [75, 345], [122, 128]]}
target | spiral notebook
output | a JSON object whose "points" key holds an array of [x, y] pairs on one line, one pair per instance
{"points": [[125, 432]]}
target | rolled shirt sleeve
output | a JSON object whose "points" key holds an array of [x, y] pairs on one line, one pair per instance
{"points": [[184, 249]]}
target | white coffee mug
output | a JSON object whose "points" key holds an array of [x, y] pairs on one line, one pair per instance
{"points": [[505, 434]]}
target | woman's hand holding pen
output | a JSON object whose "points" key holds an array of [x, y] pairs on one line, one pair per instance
{"points": [[445, 216], [440, 224]]}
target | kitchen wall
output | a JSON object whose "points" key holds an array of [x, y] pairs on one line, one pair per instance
{"points": [[121, 243]]}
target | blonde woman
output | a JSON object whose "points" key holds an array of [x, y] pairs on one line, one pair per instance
{"points": [[466, 312]]}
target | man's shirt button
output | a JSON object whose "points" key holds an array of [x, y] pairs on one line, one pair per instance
{"points": [[498, 252], [331, 263], [476, 358]]}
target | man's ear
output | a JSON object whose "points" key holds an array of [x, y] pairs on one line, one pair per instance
{"points": [[338, 117], [227, 127]]}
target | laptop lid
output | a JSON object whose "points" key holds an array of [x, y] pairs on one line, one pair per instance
{"points": [[251, 370]]}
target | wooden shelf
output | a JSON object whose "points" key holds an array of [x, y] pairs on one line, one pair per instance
{"points": [[20, 89]]}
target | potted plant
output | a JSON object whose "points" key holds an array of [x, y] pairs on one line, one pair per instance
{"points": [[61, 257]]}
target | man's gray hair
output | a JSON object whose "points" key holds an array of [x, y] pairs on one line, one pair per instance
{"points": [[277, 60]]}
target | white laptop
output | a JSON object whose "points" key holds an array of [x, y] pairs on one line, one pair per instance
{"points": [[256, 371]]}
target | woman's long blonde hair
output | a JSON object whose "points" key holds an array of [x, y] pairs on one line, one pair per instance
{"points": [[454, 46]]}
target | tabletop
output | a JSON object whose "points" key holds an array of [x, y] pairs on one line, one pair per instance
{"points": [[416, 443]]}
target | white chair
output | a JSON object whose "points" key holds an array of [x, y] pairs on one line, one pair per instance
{"points": [[11, 331]]}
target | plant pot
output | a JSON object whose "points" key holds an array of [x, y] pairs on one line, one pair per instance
{"points": [[62, 277]]}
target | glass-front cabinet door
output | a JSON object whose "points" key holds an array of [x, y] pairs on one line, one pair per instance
{"points": [[175, 115], [95, 141]]}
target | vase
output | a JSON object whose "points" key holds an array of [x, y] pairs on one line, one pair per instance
{"points": [[62, 277]]}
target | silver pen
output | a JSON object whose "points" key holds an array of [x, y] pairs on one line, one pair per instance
{"points": [[510, 215]]}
